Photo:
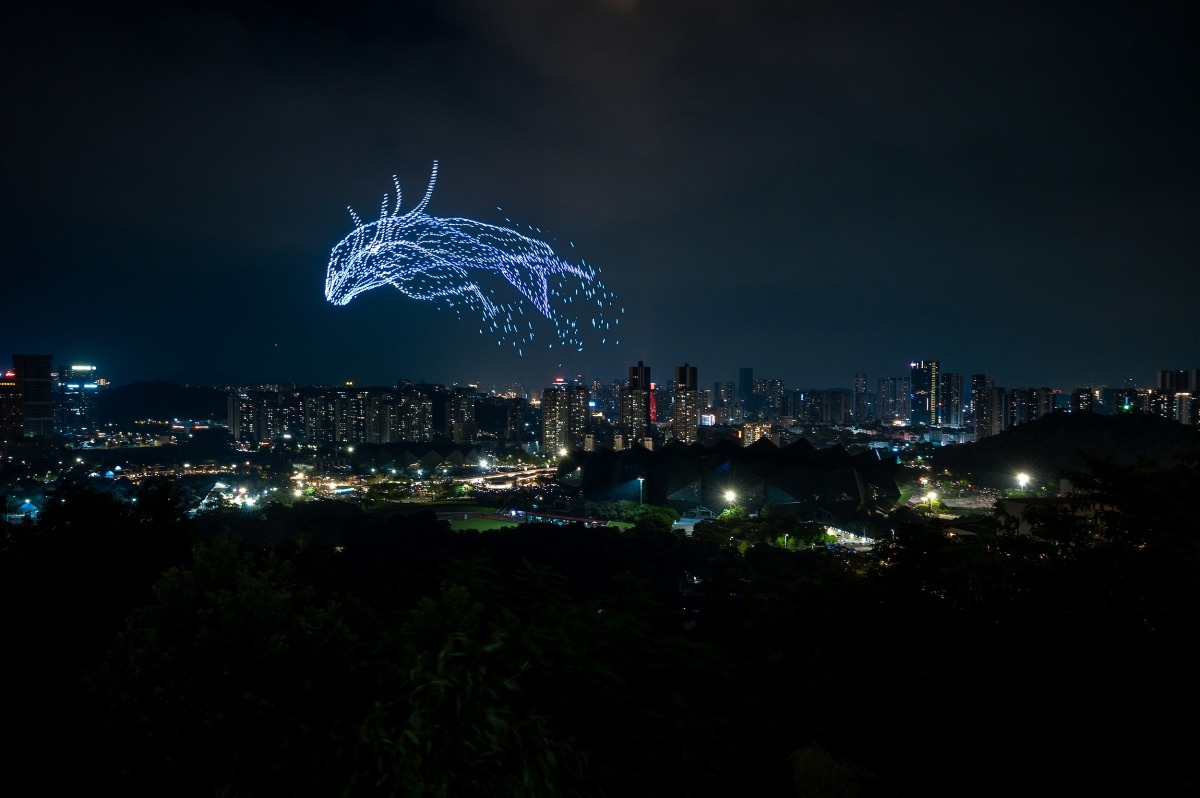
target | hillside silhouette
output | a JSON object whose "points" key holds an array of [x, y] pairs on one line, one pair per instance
{"points": [[1061, 443]]}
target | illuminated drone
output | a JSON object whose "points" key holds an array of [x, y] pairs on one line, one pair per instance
{"points": [[463, 263]]}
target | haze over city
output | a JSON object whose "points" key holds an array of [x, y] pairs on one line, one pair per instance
{"points": [[812, 190]]}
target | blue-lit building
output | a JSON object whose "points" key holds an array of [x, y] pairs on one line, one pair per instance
{"points": [[78, 389]]}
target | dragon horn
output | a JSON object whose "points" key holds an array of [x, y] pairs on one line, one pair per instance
{"points": [[428, 191]]}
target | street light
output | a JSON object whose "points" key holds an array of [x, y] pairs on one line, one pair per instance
{"points": [[1022, 480], [640, 480]]}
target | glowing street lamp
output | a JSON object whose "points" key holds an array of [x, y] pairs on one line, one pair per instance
{"points": [[730, 496], [1022, 480], [640, 480]]}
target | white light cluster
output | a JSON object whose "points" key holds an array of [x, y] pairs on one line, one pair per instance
{"points": [[457, 262]]}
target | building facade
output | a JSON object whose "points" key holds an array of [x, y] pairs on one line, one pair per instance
{"points": [[685, 410], [925, 382], [634, 426]]}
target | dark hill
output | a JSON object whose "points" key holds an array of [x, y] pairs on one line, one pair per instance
{"points": [[1063, 442], [122, 404]]}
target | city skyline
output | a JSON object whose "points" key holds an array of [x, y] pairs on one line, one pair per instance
{"points": [[703, 380], [814, 191]]}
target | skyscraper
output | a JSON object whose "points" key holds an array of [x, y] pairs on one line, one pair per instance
{"points": [[860, 398], [35, 381], [951, 400], [11, 414], [75, 408], [1082, 400], [685, 414], [514, 420], [894, 400], [985, 410], [416, 417], [635, 405], [564, 417], [745, 394], [554, 420], [578, 415], [463, 427], [769, 398], [925, 383]]}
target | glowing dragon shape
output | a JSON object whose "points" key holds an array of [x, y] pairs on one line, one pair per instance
{"points": [[449, 260]]}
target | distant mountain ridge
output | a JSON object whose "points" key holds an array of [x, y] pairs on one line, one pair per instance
{"points": [[1063, 442], [120, 404]]}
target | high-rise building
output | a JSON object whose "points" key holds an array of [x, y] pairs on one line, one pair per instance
{"points": [[578, 415], [75, 409], [1008, 407], [661, 397], [1179, 381], [725, 402], [951, 400], [1181, 406], [769, 398], [383, 418], [1083, 400], [416, 417], [635, 405], [255, 415], [860, 398], [607, 397], [35, 381], [893, 400], [564, 417], [830, 407], [985, 406], [34, 384], [463, 426], [925, 382], [720, 394], [752, 431], [11, 415], [685, 412], [514, 420], [745, 384], [350, 415], [1177, 396], [554, 420]]}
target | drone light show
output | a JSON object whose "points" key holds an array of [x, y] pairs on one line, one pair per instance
{"points": [[496, 272]]}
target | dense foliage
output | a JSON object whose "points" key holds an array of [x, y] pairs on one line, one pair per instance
{"points": [[318, 650]]}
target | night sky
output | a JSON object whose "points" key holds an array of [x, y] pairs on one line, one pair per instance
{"points": [[811, 189]]}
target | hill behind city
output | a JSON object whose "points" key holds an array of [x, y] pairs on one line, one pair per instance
{"points": [[1059, 443]]}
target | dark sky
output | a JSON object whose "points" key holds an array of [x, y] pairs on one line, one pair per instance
{"points": [[812, 189]]}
